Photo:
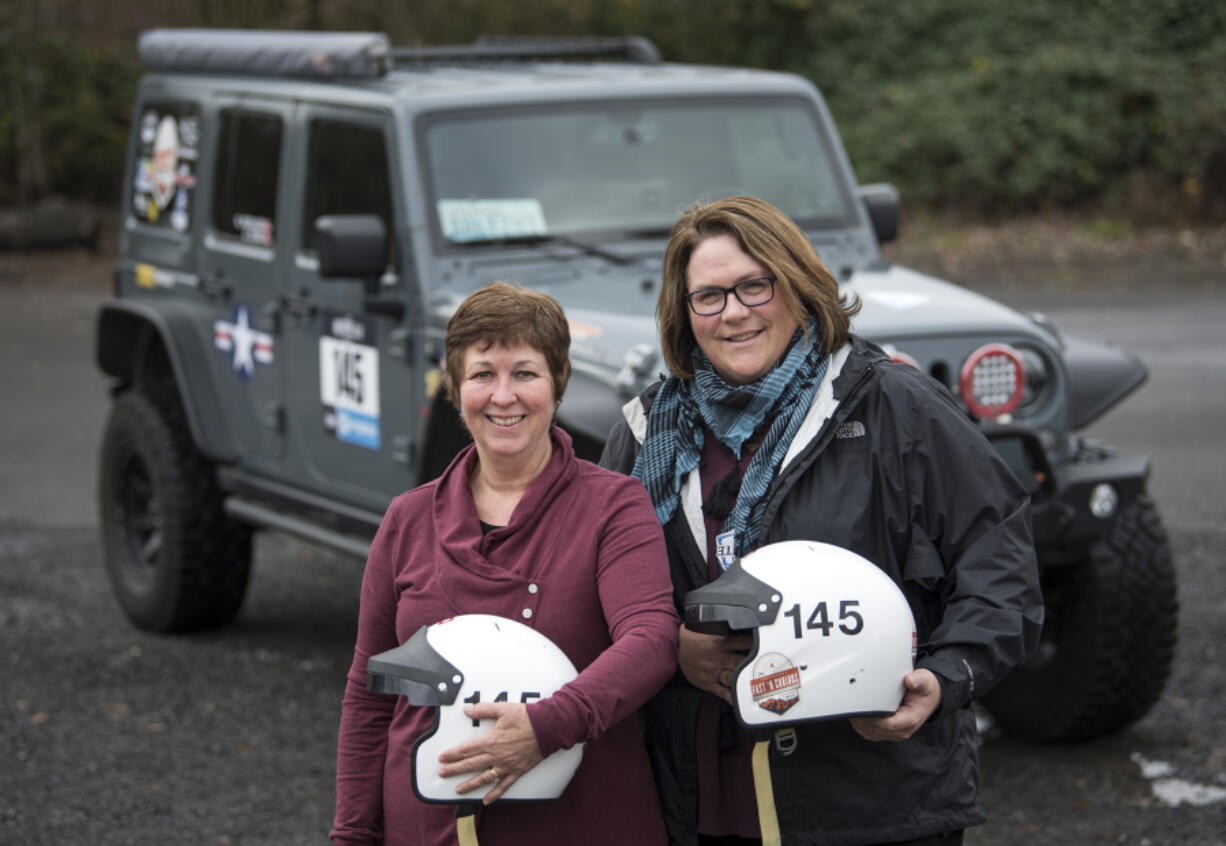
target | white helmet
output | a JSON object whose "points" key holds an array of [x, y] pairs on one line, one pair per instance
{"points": [[833, 634], [464, 660]]}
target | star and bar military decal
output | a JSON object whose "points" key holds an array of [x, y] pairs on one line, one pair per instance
{"points": [[247, 346]]}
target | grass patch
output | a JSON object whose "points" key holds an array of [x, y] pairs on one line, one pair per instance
{"points": [[1107, 229]]}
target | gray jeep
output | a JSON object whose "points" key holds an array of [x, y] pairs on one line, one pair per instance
{"points": [[303, 211]]}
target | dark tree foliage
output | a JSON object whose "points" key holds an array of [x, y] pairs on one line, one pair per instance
{"points": [[975, 106]]}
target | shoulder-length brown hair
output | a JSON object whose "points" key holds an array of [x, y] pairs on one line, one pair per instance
{"points": [[773, 240], [499, 315]]}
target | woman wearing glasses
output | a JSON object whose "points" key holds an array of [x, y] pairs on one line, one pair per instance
{"points": [[775, 424]]}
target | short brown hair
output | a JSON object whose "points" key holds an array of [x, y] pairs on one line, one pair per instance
{"points": [[500, 315], [773, 240]]}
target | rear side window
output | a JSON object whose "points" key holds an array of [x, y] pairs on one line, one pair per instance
{"points": [[347, 173], [167, 148], [248, 162]]}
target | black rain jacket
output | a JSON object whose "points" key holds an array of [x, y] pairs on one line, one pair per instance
{"points": [[888, 466]]}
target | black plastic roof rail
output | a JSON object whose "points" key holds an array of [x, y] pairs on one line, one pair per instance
{"points": [[634, 48]]}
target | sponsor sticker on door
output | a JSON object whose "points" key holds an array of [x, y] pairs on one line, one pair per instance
{"points": [[349, 381]]}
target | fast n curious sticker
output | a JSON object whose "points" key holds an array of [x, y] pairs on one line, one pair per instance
{"points": [[776, 683]]}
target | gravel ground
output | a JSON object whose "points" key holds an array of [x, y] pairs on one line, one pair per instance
{"points": [[1142, 785], [111, 736], [114, 736]]}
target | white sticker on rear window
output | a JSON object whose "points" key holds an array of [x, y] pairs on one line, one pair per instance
{"points": [[479, 220]]}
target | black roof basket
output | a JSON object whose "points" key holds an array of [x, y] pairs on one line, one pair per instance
{"points": [[633, 48]]}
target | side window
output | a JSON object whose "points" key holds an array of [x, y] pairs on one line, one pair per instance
{"points": [[346, 173], [245, 188], [167, 148]]}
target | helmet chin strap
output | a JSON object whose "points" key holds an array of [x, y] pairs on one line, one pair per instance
{"points": [[764, 791], [466, 822]]}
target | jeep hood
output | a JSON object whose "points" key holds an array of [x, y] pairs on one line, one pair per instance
{"points": [[903, 303], [610, 308], [614, 311], [614, 344]]}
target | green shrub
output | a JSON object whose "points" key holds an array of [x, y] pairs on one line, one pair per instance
{"points": [[979, 106], [994, 107], [82, 98]]}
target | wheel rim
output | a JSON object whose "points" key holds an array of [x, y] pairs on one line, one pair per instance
{"points": [[138, 513]]}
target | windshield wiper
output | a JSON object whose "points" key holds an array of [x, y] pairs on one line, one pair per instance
{"points": [[584, 246], [648, 232]]}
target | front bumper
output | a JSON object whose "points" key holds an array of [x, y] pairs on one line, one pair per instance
{"points": [[1072, 503]]}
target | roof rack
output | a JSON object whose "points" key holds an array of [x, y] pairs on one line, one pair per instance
{"points": [[633, 48], [313, 55], [356, 55]]}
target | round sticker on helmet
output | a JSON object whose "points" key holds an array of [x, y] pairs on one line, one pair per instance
{"points": [[776, 683]]}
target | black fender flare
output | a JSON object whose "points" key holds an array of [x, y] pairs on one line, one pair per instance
{"points": [[126, 331], [588, 412], [1099, 376]]}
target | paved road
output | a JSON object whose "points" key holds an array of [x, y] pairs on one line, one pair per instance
{"points": [[55, 403], [112, 736]]}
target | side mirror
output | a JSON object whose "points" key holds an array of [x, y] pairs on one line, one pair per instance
{"points": [[352, 245], [882, 202]]}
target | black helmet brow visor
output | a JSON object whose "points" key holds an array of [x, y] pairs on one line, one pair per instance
{"points": [[736, 601], [414, 669]]}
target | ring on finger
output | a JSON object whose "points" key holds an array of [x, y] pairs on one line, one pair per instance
{"points": [[494, 775]]}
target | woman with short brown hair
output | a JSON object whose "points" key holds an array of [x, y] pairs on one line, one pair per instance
{"points": [[519, 527]]}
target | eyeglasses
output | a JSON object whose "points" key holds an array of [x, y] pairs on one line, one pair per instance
{"points": [[709, 302]]}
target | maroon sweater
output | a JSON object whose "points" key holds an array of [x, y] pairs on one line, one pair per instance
{"points": [[584, 554], [727, 804]]}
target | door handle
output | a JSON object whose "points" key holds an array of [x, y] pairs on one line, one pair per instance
{"points": [[297, 306], [388, 307], [214, 287]]}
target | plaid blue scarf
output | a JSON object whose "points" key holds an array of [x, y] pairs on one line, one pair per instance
{"points": [[675, 430]]}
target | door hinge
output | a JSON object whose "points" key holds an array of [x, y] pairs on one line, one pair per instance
{"points": [[402, 450], [214, 287], [274, 417], [398, 343]]}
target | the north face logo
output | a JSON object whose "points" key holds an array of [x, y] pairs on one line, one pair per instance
{"points": [[850, 429]]}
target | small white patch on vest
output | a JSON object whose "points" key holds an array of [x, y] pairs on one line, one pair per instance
{"points": [[850, 429], [970, 674], [725, 548]]}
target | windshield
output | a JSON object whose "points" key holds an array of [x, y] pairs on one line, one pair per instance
{"points": [[623, 168]]}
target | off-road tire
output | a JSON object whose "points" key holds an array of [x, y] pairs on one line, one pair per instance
{"points": [[1109, 638], [176, 562]]}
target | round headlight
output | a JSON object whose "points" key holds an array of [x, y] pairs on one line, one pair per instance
{"points": [[1104, 500], [1034, 389], [993, 380]]}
